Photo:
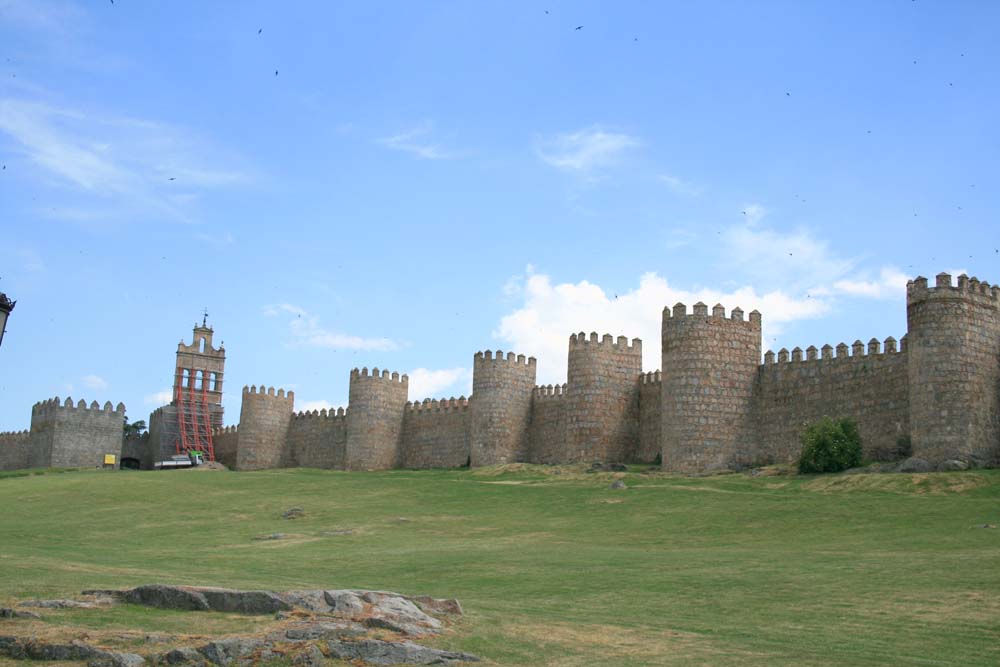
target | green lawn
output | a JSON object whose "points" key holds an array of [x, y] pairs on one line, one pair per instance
{"points": [[553, 569]]}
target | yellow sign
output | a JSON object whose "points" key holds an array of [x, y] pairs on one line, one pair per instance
{"points": [[110, 459]]}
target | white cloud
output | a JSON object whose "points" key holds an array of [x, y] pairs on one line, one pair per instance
{"points": [[306, 330], [122, 166], [549, 313], [679, 186], [890, 284], [584, 150], [95, 382], [159, 398], [416, 142], [426, 383]]}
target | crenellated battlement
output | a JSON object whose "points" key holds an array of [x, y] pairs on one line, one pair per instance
{"points": [[548, 392], [384, 375], [11, 435], [225, 430], [512, 358], [652, 377], [858, 350], [331, 413], [56, 404], [607, 341], [436, 405], [971, 289], [700, 310], [268, 391]]}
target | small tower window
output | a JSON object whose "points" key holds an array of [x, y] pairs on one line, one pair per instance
{"points": [[201, 345]]}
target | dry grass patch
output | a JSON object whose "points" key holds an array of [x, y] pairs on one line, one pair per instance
{"points": [[934, 484], [579, 644]]}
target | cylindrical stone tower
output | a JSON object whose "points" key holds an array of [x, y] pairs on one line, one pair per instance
{"points": [[602, 398], [376, 404], [710, 363], [953, 342], [263, 434], [500, 407]]}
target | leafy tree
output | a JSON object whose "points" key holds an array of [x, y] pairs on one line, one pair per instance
{"points": [[830, 445], [135, 429]]}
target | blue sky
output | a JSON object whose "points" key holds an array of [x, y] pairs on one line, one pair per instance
{"points": [[402, 184]]}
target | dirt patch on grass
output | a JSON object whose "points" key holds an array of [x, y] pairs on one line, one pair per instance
{"points": [[919, 484]]}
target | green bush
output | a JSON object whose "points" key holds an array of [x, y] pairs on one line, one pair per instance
{"points": [[830, 445]]}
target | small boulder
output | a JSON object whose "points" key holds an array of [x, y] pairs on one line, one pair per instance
{"points": [[224, 652], [346, 604], [439, 606], [377, 652], [272, 536], [953, 464], [244, 602], [617, 485], [293, 513], [7, 612], [184, 655], [914, 464], [167, 597], [310, 657], [57, 604]]}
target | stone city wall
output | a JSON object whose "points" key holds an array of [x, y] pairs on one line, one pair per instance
{"points": [[501, 407], [375, 419], [318, 439], [15, 450], [64, 435], [648, 446], [263, 436], [225, 442], [954, 370], [871, 388], [709, 367], [602, 395], [436, 433], [547, 433]]}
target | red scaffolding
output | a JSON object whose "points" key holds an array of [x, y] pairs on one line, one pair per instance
{"points": [[194, 419]]}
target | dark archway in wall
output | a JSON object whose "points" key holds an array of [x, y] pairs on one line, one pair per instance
{"points": [[130, 464]]}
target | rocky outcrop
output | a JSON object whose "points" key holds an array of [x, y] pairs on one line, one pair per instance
{"points": [[311, 625]]}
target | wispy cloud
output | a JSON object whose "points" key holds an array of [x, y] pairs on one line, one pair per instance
{"points": [[584, 150], [889, 285], [159, 398], [795, 259], [427, 383], [680, 186], [95, 382], [417, 141], [115, 166], [305, 330], [216, 239]]}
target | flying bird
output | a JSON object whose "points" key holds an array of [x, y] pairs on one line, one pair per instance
{"points": [[275, 72], [172, 178], [579, 27], [260, 30], [787, 94]]}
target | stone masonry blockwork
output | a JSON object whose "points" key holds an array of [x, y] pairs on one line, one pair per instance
{"points": [[714, 405]]}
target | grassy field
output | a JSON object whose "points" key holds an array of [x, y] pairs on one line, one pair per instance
{"points": [[553, 568]]}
